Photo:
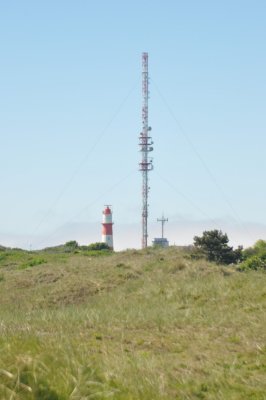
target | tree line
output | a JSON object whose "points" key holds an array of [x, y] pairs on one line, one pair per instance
{"points": [[213, 245]]}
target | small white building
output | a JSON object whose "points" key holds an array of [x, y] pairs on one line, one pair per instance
{"points": [[160, 242]]}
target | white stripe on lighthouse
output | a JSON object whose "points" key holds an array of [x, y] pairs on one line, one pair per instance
{"points": [[108, 239], [107, 218]]}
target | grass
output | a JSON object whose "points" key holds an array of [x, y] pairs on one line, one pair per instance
{"points": [[132, 325]]}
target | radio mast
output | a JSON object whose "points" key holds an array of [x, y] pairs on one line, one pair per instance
{"points": [[145, 144]]}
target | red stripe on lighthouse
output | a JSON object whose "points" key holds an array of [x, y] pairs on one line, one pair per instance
{"points": [[107, 229]]}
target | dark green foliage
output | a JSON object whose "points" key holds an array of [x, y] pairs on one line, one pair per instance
{"points": [[71, 246], [214, 246], [98, 246]]}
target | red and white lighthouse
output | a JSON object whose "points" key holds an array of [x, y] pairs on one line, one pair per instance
{"points": [[107, 227]]}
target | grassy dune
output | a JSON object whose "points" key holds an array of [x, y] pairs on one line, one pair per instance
{"points": [[133, 325]]}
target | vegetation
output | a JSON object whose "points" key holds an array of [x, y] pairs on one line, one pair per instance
{"points": [[73, 246], [98, 246], [255, 257], [214, 246], [135, 325]]}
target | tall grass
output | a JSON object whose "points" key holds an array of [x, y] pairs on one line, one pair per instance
{"points": [[134, 325]]}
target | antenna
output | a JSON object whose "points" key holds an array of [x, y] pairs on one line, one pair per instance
{"points": [[145, 144], [163, 221]]}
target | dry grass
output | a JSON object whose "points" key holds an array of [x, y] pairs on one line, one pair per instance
{"points": [[134, 325]]}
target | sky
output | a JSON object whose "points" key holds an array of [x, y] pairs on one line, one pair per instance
{"points": [[70, 116]]}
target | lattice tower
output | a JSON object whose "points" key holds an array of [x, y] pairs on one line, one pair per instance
{"points": [[145, 143]]}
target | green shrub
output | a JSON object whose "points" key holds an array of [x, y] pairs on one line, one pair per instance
{"points": [[32, 263], [71, 246], [259, 249], [98, 246], [254, 263]]}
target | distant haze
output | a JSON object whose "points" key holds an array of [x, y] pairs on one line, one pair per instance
{"points": [[129, 235]]}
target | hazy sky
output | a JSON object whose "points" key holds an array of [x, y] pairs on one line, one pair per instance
{"points": [[70, 116]]}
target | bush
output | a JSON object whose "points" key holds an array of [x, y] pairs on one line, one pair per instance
{"points": [[71, 246], [98, 246], [33, 263], [259, 249], [254, 262], [254, 257]]}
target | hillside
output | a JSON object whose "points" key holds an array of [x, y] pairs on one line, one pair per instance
{"points": [[151, 324]]}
